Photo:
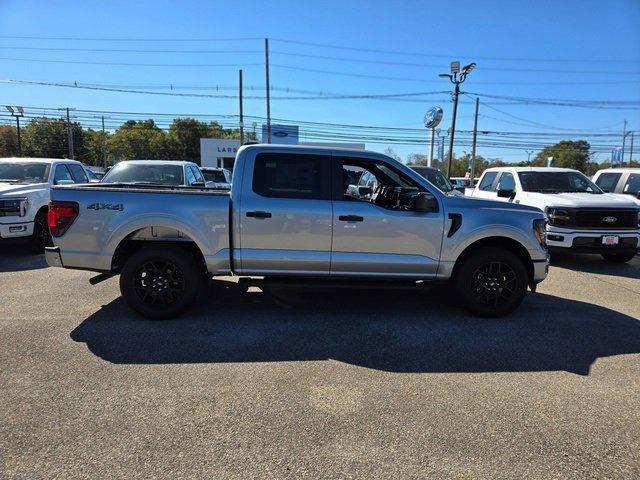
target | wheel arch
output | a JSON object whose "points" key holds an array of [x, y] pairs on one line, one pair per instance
{"points": [[514, 246]]}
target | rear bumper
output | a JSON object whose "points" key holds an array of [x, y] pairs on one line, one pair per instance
{"points": [[52, 256]]}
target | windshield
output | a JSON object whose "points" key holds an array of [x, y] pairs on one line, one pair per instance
{"points": [[557, 182], [145, 174], [216, 176], [434, 176], [24, 173]]}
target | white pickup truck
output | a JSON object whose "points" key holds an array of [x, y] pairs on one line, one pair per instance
{"points": [[581, 217], [25, 185], [290, 218]]}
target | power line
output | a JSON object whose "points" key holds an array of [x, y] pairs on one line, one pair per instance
{"points": [[127, 64], [116, 39]]}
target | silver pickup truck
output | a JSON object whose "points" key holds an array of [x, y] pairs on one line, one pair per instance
{"points": [[291, 217]]}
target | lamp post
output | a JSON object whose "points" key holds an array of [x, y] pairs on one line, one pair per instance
{"points": [[529, 152], [17, 112], [456, 77]]}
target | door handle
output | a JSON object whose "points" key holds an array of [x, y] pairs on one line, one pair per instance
{"points": [[259, 214], [350, 218]]}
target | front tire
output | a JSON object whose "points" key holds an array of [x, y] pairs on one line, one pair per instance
{"points": [[619, 257], [160, 282], [492, 282]]}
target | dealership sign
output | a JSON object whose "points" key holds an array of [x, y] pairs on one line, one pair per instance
{"points": [[433, 117]]}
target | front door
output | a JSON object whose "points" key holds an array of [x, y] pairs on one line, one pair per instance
{"points": [[285, 215], [373, 235]]}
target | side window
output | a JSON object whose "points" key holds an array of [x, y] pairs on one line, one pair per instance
{"points": [[78, 173], [190, 177], [62, 173], [290, 175], [608, 181], [632, 186], [487, 181], [506, 182], [198, 174]]}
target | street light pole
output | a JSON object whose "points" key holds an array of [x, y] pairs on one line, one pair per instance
{"points": [[529, 152], [475, 137], [456, 77]]}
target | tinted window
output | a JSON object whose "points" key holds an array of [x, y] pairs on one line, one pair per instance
{"points": [[145, 174], [292, 176], [215, 176], [11, 172], [62, 173], [78, 173], [487, 180], [608, 181], [557, 182], [434, 176], [507, 182], [632, 187]]}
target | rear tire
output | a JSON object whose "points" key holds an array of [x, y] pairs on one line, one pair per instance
{"points": [[160, 282], [492, 282], [41, 236], [619, 257]]}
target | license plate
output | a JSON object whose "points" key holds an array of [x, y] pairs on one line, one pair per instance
{"points": [[610, 240]]}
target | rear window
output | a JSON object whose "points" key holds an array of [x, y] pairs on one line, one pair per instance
{"points": [[145, 174], [214, 176], [608, 181], [292, 176]]}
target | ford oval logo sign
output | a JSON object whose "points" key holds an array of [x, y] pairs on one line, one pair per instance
{"points": [[609, 219], [433, 117], [280, 133]]}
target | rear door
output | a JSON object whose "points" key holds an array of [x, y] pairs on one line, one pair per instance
{"points": [[286, 214]]}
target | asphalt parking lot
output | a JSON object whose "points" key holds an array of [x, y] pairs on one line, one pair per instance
{"points": [[320, 384]]}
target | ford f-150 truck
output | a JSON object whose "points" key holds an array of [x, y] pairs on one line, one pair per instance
{"points": [[24, 196], [581, 217], [290, 218]]}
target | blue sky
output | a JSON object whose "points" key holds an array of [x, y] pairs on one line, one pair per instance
{"points": [[522, 49]]}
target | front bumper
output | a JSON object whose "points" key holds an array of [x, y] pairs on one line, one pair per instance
{"points": [[52, 256], [590, 241], [540, 269], [16, 230]]}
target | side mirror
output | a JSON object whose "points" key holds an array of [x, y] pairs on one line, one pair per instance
{"points": [[504, 193], [363, 191], [65, 182], [425, 202]]}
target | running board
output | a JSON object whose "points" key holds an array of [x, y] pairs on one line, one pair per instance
{"points": [[333, 283]]}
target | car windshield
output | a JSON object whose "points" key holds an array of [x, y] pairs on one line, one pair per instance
{"points": [[557, 182], [214, 176], [24, 173], [434, 176], [145, 174]]}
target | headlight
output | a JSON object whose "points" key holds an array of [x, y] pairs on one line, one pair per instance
{"points": [[557, 216], [540, 231]]}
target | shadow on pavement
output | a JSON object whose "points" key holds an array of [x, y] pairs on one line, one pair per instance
{"points": [[596, 264], [16, 257], [391, 331]]}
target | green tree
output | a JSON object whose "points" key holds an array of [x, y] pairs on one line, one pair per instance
{"points": [[48, 138], [187, 132], [8, 141], [95, 142], [566, 154], [142, 140]]}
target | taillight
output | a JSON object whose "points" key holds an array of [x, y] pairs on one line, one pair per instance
{"points": [[60, 217]]}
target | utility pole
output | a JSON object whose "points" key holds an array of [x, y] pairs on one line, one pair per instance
{"points": [[624, 137], [473, 145], [104, 146], [69, 132], [266, 71], [17, 112], [630, 149], [240, 100], [456, 80], [529, 152]]}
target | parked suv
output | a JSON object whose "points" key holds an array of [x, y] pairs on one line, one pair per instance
{"points": [[25, 185], [581, 217]]}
